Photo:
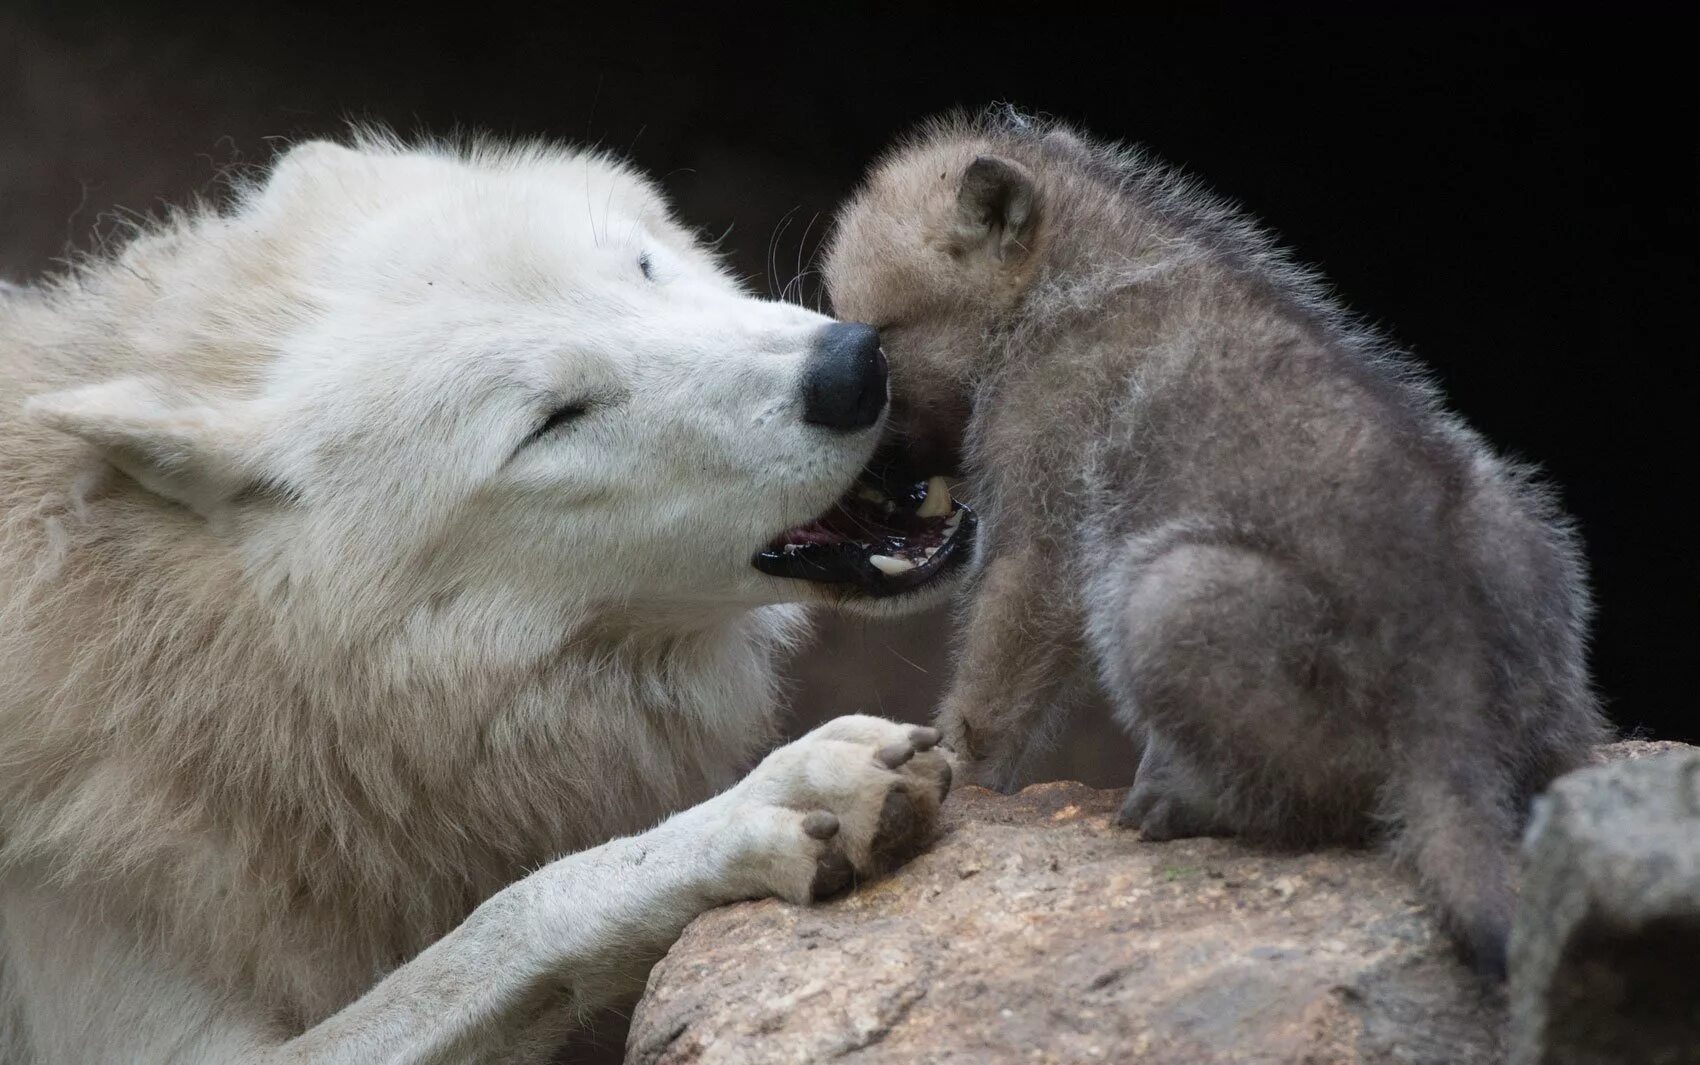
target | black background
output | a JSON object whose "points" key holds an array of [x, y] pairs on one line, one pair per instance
{"points": [[1512, 197]]}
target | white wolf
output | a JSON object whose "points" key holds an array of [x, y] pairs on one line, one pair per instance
{"points": [[365, 546]]}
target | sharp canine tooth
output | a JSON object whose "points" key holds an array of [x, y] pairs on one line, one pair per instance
{"points": [[889, 566], [871, 495], [937, 503]]}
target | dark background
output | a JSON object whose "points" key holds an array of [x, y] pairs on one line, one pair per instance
{"points": [[1512, 197]]}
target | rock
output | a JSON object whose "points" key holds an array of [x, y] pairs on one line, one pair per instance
{"points": [[1036, 931], [1605, 954], [1635, 750]]}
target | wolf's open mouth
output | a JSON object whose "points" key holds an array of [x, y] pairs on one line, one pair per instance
{"points": [[888, 535]]}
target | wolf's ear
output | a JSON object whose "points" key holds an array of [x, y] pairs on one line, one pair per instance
{"points": [[199, 456], [995, 208], [307, 164]]}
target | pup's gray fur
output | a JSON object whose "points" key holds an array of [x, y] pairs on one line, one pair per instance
{"points": [[1322, 603]]}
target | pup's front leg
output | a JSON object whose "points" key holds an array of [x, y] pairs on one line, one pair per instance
{"points": [[851, 799], [1017, 669]]}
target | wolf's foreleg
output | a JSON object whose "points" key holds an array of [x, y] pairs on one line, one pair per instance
{"points": [[850, 799]]}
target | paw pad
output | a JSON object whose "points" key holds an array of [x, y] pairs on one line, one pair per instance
{"points": [[893, 755], [833, 873]]}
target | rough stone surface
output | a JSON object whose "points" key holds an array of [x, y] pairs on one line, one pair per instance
{"points": [[1037, 931], [1605, 954]]}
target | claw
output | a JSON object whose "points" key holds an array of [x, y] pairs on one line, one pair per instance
{"points": [[820, 825], [893, 755]]}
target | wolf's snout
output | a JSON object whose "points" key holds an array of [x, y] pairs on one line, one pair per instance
{"points": [[844, 378]]}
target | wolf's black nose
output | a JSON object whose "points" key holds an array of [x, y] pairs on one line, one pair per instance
{"points": [[844, 378]]}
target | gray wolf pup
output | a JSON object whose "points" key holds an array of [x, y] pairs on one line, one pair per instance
{"points": [[1322, 605]]}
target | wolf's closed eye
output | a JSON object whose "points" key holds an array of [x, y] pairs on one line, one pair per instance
{"points": [[558, 417], [647, 265]]}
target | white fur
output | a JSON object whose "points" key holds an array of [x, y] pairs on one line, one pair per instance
{"points": [[309, 656]]}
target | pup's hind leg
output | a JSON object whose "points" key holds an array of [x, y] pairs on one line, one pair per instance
{"points": [[1226, 660]]}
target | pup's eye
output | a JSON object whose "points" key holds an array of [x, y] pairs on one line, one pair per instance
{"points": [[647, 266], [558, 417]]}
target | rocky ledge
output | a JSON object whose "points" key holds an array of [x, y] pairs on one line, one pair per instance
{"points": [[1036, 931]]}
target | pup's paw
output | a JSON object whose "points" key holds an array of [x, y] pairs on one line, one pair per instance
{"points": [[1163, 815], [855, 798], [967, 746]]}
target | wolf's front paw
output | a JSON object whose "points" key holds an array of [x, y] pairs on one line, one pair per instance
{"points": [[856, 797]]}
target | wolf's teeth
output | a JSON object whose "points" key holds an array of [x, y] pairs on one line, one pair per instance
{"points": [[928, 555], [950, 526], [889, 566], [937, 503], [872, 495]]}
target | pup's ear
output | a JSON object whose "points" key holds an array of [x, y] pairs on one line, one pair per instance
{"points": [[1065, 141], [199, 456], [995, 206]]}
